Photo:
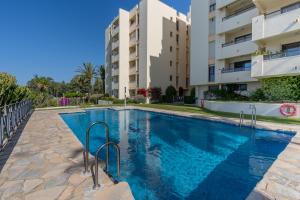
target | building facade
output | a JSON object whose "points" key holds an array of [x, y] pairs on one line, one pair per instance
{"points": [[231, 40], [147, 47]]}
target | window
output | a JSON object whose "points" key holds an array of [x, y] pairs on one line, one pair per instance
{"points": [[212, 7], [212, 48], [177, 81], [187, 82], [291, 49], [235, 87], [243, 38], [171, 48], [242, 66], [177, 25], [290, 8], [171, 77], [171, 63], [171, 34], [211, 73], [177, 39], [212, 26]]}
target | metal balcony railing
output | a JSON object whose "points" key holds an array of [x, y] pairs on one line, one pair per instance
{"points": [[282, 54], [237, 69], [240, 11], [11, 116], [241, 40]]}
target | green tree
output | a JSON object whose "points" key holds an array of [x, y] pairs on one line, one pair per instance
{"points": [[10, 92], [41, 84], [102, 76], [87, 73]]}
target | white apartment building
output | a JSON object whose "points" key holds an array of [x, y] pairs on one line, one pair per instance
{"points": [[147, 47], [227, 34]]}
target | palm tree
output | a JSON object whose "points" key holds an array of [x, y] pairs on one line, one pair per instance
{"points": [[87, 73]]}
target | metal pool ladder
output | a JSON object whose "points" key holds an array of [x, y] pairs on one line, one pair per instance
{"points": [[96, 172], [253, 115], [242, 117], [87, 145]]}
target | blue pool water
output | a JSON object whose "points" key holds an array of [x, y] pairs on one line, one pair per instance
{"points": [[166, 157]]}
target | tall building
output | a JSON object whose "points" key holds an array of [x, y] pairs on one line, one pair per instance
{"points": [[228, 37], [147, 47]]}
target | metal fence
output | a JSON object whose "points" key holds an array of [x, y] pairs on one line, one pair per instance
{"points": [[11, 116]]}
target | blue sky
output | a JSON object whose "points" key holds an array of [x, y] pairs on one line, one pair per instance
{"points": [[53, 37]]}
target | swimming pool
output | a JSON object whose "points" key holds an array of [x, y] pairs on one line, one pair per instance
{"points": [[169, 157]]}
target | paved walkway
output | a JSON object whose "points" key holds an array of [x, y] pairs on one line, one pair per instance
{"points": [[47, 163]]}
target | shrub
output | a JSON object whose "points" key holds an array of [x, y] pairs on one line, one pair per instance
{"points": [[189, 100], [282, 88], [155, 93], [140, 99], [225, 95], [171, 92], [73, 94], [258, 95]]}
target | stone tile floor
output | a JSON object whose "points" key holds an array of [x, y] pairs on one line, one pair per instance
{"points": [[47, 163]]}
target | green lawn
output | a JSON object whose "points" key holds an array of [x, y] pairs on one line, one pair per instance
{"points": [[197, 110]]}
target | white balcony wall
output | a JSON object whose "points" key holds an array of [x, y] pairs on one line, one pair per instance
{"points": [[236, 50], [115, 58], [115, 45], [115, 72], [115, 86], [277, 25], [132, 85], [115, 31], [222, 3], [236, 22], [275, 67], [235, 77], [132, 70]]}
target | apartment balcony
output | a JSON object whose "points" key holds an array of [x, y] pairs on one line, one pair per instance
{"points": [[233, 75], [115, 85], [133, 41], [237, 20], [115, 45], [279, 64], [133, 56], [223, 3], [275, 24], [235, 49], [115, 72], [115, 31], [132, 85], [265, 5], [115, 58], [133, 27], [132, 70]]}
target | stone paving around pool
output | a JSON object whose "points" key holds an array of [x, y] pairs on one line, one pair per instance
{"points": [[47, 163]]}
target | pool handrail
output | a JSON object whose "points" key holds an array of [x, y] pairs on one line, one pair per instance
{"points": [[242, 117], [253, 115], [95, 175], [87, 145]]}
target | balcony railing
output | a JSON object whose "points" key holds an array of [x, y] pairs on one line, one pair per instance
{"points": [[279, 12], [242, 39], [240, 11], [282, 54], [11, 116], [237, 69]]}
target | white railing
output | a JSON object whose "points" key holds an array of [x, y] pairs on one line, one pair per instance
{"points": [[11, 116]]}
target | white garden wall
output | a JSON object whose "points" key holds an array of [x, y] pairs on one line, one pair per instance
{"points": [[263, 109]]}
